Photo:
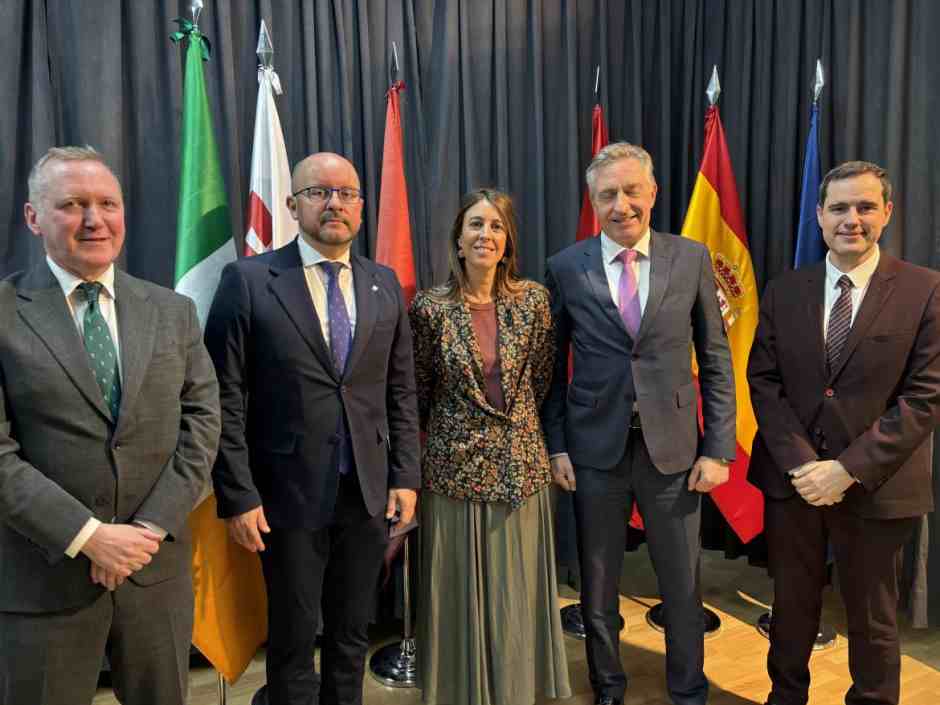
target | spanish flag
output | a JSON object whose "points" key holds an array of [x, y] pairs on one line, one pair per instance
{"points": [[714, 219]]}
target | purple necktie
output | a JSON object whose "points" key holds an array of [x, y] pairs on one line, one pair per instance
{"points": [[340, 342], [629, 293]]}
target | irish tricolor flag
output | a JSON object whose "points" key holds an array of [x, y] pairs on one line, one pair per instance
{"points": [[204, 242], [714, 218]]}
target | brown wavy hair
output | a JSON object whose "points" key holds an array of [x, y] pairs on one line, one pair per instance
{"points": [[508, 283]]}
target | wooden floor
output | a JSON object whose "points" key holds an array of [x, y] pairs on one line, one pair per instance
{"points": [[734, 659]]}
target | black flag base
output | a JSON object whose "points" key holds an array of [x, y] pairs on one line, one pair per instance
{"points": [[572, 621], [655, 618], [825, 639], [395, 664], [261, 696]]}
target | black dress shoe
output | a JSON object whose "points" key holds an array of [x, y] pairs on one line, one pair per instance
{"points": [[607, 700]]}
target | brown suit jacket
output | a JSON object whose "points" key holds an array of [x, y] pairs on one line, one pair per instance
{"points": [[875, 412], [474, 451]]}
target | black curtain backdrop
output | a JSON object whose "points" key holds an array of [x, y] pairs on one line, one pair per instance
{"points": [[498, 92]]}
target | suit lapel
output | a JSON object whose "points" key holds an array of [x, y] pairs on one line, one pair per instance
{"points": [[367, 287], [661, 253], [597, 281], [137, 330], [42, 306], [879, 289], [815, 302], [289, 285]]}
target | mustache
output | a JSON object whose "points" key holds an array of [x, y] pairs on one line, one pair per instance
{"points": [[329, 217]]}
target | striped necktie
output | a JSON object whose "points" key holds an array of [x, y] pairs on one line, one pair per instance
{"points": [[840, 322]]}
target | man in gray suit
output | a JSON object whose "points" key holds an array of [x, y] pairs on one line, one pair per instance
{"points": [[109, 423], [629, 304]]}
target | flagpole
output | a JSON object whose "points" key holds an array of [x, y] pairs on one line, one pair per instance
{"points": [[195, 8], [809, 250], [396, 664], [655, 615]]}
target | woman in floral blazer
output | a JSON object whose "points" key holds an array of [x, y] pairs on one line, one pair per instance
{"points": [[489, 629]]}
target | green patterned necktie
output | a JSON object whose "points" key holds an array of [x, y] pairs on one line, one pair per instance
{"points": [[100, 346]]}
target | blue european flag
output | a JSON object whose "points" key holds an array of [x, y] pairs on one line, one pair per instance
{"points": [[809, 242]]}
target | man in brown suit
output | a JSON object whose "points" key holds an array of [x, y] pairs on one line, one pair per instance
{"points": [[845, 382]]}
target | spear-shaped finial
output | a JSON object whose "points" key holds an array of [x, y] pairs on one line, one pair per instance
{"points": [[714, 87], [819, 82], [195, 7], [597, 79], [265, 50], [396, 68]]}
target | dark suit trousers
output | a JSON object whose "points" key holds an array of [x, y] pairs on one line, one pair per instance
{"points": [[867, 556], [336, 567], [672, 516], [54, 658]]}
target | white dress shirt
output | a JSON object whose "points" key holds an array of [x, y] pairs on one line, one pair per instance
{"points": [[317, 281], [78, 305], [861, 278], [613, 267]]}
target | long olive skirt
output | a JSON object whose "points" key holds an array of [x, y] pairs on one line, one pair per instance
{"points": [[489, 631]]}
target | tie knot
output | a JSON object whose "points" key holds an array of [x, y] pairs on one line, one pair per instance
{"points": [[91, 291], [331, 268], [845, 283], [627, 256]]}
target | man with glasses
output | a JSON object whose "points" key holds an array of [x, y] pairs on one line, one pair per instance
{"points": [[312, 347]]}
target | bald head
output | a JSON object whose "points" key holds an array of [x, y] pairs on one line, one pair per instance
{"points": [[307, 170], [329, 216]]}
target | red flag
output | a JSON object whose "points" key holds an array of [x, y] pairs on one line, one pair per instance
{"points": [[587, 223], [393, 242], [714, 218]]}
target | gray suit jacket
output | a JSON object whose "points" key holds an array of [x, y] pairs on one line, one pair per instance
{"points": [[590, 417], [63, 459]]}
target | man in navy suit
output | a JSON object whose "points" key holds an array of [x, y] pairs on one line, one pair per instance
{"points": [[312, 346], [630, 304]]}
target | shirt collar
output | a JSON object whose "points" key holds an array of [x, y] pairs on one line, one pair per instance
{"points": [[610, 249], [69, 282], [310, 256], [860, 276]]}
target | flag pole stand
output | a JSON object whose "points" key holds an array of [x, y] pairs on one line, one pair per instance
{"points": [[656, 619], [572, 621], [825, 638], [223, 690], [396, 664]]}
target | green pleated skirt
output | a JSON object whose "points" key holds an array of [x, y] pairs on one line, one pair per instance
{"points": [[489, 631]]}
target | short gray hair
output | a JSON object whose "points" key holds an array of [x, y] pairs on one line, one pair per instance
{"points": [[615, 152], [37, 176]]}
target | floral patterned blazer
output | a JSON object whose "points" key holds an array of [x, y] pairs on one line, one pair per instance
{"points": [[474, 451]]}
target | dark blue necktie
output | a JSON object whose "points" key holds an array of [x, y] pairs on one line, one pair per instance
{"points": [[340, 343]]}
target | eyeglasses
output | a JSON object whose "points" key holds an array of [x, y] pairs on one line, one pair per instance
{"points": [[322, 194]]}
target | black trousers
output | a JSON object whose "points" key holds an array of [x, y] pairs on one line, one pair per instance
{"points": [[672, 517], [54, 658], [336, 567], [867, 556]]}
